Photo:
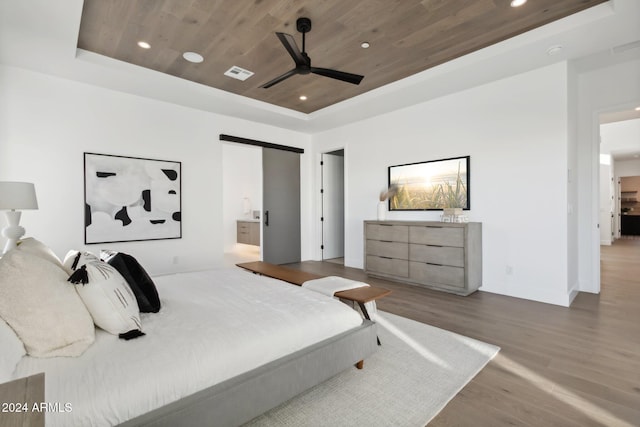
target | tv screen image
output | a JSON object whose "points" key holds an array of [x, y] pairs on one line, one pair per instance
{"points": [[430, 185]]}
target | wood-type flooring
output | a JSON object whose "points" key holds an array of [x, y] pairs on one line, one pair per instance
{"points": [[558, 366]]}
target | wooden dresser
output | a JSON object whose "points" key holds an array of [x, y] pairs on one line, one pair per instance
{"points": [[438, 255]]}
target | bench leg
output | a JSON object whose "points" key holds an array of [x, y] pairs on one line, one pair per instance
{"points": [[366, 316]]}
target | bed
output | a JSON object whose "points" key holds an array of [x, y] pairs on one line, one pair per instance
{"points": [[226, 346]]}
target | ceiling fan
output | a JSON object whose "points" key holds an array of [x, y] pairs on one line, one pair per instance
{"points": [[303, 62]]}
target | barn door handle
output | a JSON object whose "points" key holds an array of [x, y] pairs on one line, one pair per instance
{"points": [[266, 218]]}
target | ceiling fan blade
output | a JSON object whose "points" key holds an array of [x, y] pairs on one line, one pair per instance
{"points": [[338, 75], [280, 78], [290, 44]]}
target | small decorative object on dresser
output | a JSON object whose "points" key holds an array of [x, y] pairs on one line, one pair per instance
{"points": [[439, 255], [453, 215]]}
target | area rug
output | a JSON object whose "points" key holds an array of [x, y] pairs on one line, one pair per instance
{"points": [[412, 376]]}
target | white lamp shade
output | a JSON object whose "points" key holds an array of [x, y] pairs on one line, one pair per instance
{"points": [[17, 195]]}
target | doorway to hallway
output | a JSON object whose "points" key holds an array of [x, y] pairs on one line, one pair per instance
{"points": [[332, 206]]}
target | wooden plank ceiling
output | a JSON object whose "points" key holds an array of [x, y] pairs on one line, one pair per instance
{"points": [[405, 36]]}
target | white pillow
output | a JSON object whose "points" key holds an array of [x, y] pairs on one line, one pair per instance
{"points": [[106, 294], [39, 249], [42, 308], [11, 352]]}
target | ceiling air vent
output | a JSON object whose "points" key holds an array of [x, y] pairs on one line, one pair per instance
{"points": [[238, 73], [627, 46]]}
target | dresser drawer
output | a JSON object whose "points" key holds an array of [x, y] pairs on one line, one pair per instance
{"points": [[243, 237], [437, 274], [389, 266], [435, 235], [387, 249], [390, 233], [444, 255]]}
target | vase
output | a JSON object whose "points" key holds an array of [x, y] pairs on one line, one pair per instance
{"points": [[382, 211]]}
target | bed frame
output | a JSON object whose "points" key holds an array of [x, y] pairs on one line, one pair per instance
{"points": [[242, 398]]}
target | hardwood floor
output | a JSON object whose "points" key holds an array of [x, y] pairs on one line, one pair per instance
{"points": [[577, 366]]}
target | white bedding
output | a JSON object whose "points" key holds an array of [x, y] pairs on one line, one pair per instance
{"points": [[213, 325]]}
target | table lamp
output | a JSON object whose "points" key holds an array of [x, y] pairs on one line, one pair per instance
{"points": [[15, 195]]}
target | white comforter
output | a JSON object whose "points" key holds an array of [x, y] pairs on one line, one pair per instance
{"points": [[213, 325]]}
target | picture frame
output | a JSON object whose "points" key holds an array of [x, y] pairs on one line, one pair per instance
{"points": [[431, 185], [131, 199]]}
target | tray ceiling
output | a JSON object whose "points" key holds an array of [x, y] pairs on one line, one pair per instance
{"points": [[405, 37]]}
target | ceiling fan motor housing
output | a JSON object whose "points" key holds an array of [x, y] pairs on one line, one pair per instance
{"points": [[303, 25]]}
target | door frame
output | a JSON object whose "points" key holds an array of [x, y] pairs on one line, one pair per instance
{"points": [[594, 214], [264, 144], [317, 251], [323, 199]]}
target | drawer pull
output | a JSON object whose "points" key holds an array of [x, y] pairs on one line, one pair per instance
{"points": [[386, 257], [431, 263]]}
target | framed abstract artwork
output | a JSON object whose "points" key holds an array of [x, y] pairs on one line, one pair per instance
{"points": [[431, 185], [131, 199]]}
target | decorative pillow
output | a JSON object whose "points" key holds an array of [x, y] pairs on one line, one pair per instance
{"points": [[39, 249], [106, 294], [140, 282], [42, 308], [12, 352]]}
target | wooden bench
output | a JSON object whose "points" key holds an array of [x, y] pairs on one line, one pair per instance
{"points": [[360, 295]]}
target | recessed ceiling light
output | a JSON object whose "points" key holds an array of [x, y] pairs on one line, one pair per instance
{"points": [[303, 97], [365, 45], [517, 3], [554, 50], [144, 44], [193, 57]]}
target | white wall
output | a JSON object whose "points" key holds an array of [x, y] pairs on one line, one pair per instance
{"points": [[606, 89], [620, 137], [515, 131], [627, 168], [241, 177], [47, 123]]}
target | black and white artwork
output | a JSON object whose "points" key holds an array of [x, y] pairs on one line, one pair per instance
{"points": [[130, 198]]}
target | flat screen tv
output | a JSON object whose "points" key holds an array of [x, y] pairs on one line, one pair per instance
{"points": [[430, 185]]}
